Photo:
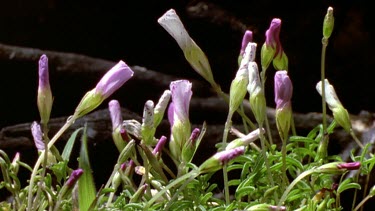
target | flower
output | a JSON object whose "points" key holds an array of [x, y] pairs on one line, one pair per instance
{"points": [[36, 131], [328, 23], [108, 84], [216, 162], [117, 130], [45, 98], [257, 99], [178, 115], [340, 114], [171, 22], [159, 146], [190, 146], [272, 49], [247, 37], [283, 96], [349, 166], [74, 176], [161, 106]]}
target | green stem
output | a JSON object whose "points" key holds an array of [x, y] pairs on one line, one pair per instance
{"points": [[69, 122], [178, 192], [228, 124], [193, 173], [322, 74], [283, 160], [362, 203], [365, 189], [295, 181]]}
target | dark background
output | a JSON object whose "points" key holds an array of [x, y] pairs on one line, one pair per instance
{"points": [[128, 30]]}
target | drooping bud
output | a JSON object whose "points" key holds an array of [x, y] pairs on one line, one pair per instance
{"points": [[283, 96], [178, 115], [171, 22], [257, 98], [45, 98], [217, 161], [328, 23], [340, 114], [161, 107], [247, 37], [337, 167], [148, 129], [246, 140], [15, 165], [116, 117], [107, 85]]}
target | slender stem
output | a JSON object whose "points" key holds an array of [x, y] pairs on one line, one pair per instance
{"points": [[362, 203], [322, 74], [228, 125], [262, 140], [193, 173], [41, 157], [365, 189], [295, 181], [178, 192], [283, 160]]}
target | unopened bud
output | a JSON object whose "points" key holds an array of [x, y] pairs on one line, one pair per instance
{"points": [[328, 23]]}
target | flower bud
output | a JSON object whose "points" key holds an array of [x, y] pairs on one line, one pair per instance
{"points": [[337, 167], [36, 131], [161, 107], [45, 98], [171, 22], [265, 207], [280, 62], [247, 37], [328, 23], [217, 161], [257, 99], [178, 115], [116, 117], [246, 140], [107, 85], [159, 146], [148, 129], [283, 96], [76, 174], [190, 146], [340, 114], [15, 165], [270, 47]]}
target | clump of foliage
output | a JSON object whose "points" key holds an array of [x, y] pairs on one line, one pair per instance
{"points": [[298, 175]]}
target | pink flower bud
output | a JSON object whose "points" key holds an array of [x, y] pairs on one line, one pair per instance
{"points": [[36, 131], [349, 166], [76, 174]]}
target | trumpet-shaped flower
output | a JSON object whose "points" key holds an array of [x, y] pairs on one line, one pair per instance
{"points": [[45, 98], [108, 84], [340, 114], [171, 22], [178, 115], [283, 96]]}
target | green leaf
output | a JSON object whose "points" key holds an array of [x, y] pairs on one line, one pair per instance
{"points": [[69, 145], [60, 170], [86, 186], [301, 139], [347, 184]]}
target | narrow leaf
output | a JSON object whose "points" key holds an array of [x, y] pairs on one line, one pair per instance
{"points": [[69, 145]]}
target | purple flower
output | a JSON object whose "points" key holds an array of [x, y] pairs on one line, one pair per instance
{"points": [[349, 166], [227, 155], [178, 115], [181, 96], [247, 37], [109, 83], [159, 146], [114, 79], [36, 131], [115, 112], [283, 90], [76, 174], [272, 36], [44, 91]]}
